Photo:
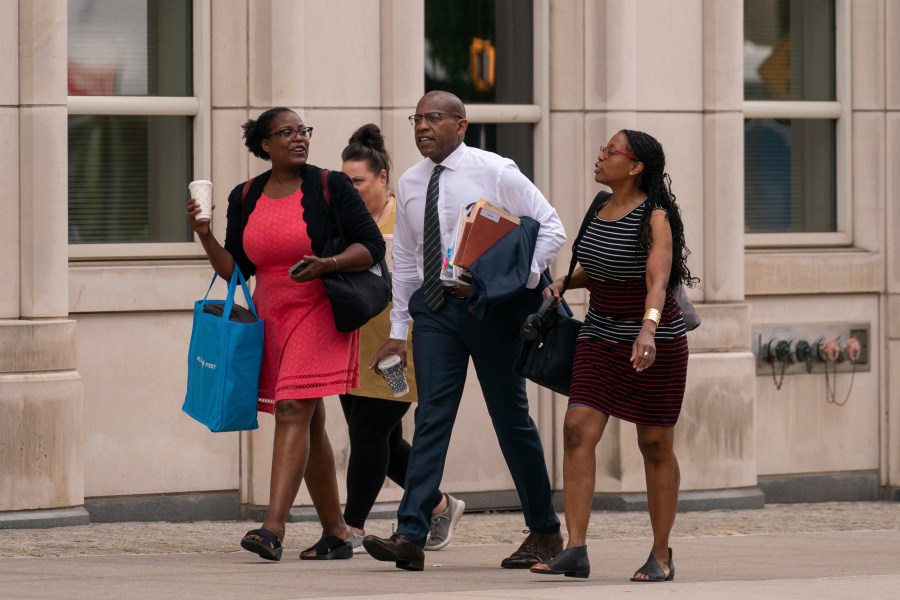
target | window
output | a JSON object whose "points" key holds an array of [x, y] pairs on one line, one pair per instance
{"points": [[134, 114], [796, 112], [483, 51]]}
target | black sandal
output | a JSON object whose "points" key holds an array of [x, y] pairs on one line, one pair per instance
{"points": [[262, 542], [654, 572], [571, 562], [328, 547]]}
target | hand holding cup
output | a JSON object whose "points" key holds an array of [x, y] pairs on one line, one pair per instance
{"points": [[391, 368], [201, 191], [200, 206]]}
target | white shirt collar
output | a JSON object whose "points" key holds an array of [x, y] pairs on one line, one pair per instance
{"points": [[456, 157]]}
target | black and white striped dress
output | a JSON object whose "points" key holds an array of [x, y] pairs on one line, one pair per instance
{"points": [[603, 376]]}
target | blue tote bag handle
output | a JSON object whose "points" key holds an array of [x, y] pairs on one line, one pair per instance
{"points": [[236, 276]]}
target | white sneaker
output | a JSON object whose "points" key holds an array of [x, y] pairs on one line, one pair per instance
{"points": [[356, 540], [442, 524]]}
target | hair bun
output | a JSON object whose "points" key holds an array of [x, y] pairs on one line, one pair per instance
{"points": [[368, 135]]}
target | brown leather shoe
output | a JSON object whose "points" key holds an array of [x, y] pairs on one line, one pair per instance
{"points": [[398, 549], [537, 548]]}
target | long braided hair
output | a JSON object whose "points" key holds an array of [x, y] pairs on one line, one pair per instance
{"points": [[656, 183]]}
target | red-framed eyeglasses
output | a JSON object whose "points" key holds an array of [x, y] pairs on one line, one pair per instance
{"points": [[606, 151]]}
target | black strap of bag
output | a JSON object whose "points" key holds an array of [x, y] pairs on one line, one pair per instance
{"points": [[326, 191], [549, 336], [599, 199]]}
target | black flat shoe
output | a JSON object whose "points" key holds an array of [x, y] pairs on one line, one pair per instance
{"points": [[654, 572], [328, 547], [571, 562], [262, 542]]}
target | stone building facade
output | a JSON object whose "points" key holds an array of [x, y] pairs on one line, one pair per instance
{"points": [[95, 318]]}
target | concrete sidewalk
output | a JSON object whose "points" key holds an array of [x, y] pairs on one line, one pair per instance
{"points": [[835, 564]]}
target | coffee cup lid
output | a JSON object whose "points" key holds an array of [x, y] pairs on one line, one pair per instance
{"points": [[388, 361]]}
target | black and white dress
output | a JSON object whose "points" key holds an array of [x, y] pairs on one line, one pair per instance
{"points": [[603, 376]]}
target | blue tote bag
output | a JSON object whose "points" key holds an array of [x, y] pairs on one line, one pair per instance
{"points": [[224, 361]]}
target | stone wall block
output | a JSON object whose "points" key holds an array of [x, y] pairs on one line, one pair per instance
{"points": [[41, 448], [9, 206], [32, 346], [402, 55], [722, 213], [42, 52], [892, 54], [44, 217], [868, 54], [9, 47], [567, 55], [229, 39], [723, 55]]}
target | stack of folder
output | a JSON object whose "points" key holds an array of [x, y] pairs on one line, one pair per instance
{"points": [[479, 228]]}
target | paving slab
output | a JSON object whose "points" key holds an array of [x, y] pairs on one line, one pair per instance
{"points": [[835, 564]]}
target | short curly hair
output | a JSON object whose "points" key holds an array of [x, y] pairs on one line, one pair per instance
{"points": [[255, 131]]}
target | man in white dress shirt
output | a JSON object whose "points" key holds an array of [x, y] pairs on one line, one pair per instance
{"points": [[446, 335]]}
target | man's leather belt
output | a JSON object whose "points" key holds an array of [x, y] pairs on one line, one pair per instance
{"points": [[456, 291]]}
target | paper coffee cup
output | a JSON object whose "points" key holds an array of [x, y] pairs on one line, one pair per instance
{"points": [[201, 191], [392, 369]]}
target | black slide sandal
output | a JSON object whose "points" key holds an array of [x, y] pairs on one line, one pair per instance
{"points": [[328, 547], [262, 542], [571, 562], [654, 572]]}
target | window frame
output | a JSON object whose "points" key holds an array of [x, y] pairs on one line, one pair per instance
{"points": [[538, 113], [198, 106], [840, 111]]}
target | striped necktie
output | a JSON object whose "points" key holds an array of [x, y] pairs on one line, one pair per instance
{"points": [[434, 294]]}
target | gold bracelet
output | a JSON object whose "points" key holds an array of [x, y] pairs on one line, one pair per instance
{"points": [[653, 315], [336, 269]]}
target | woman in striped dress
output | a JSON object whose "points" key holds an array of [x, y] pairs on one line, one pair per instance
{"points": [[632, 354]]}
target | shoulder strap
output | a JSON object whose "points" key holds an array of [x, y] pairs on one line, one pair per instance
{"points": [[599, 199], [246, 189], [325, 189]]}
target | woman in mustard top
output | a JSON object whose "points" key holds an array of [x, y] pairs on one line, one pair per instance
{"points": [[374, 415]]}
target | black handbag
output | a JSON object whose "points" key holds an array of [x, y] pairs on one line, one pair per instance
{"points": [[549, 337], [355, 297], [548, 347]]}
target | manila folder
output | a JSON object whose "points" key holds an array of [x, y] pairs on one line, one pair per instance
{"points": [[484, 228]]}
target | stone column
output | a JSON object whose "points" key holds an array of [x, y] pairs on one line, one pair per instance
{"points": [[891, 364], [41, 446]]}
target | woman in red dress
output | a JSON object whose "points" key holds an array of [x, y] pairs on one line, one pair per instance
{"points": [[280, 218]]}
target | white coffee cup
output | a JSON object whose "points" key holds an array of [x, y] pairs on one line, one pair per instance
{"points": [[391, 368], [201, 191]]}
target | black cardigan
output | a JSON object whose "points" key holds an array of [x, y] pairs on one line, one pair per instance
{"points": [[356, 222]]}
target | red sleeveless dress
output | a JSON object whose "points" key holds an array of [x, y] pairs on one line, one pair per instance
{"points": [[305, 356]]}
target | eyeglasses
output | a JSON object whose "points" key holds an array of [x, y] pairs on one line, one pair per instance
{"points": [[288, 133], [432, 117], [606, 152]]}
